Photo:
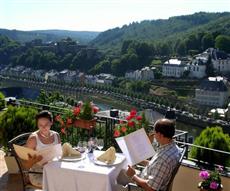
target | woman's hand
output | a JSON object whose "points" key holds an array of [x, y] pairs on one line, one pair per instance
{"points": [[130, 172], [33, 159]]}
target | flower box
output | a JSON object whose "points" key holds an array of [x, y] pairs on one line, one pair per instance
{"points": [[85, 124]]}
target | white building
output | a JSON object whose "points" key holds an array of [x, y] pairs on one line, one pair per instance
{"points": [[52, 75], [220, 60], [228, 112], [212, 91], [197, 68], [105, 78], [27, 72], [90, 79], [145, 73], [173, 68], [67, 75]]}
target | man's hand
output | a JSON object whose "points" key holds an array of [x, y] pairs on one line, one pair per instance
{"points": [[34, 159], [130, 172]]}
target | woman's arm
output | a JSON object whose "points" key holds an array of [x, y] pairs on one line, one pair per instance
{"points": [[31, 143]]}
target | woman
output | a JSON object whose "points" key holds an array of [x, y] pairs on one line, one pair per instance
{"points": [[38, 140]]}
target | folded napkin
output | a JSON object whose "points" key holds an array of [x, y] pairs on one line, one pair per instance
{"points": [[109, 156], [68, 151]]}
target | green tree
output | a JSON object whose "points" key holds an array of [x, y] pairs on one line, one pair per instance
{"points": [[223, 43], [43, 97], [181, 48], [207, 41], [213, 138], [103, 66], [2, 101], [14, 121]]}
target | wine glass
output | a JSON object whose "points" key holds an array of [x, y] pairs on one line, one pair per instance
{"points": [[82, 146], [91, 143], [100, 144]]}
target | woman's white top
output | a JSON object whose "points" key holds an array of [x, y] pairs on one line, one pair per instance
{"points": [[36, 179], [41, 145]]}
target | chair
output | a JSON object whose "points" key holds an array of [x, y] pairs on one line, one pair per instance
{"points": [[21, 140], [134, 187]]}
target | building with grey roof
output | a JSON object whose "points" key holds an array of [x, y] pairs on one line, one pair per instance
{"points": [[212, 92]]}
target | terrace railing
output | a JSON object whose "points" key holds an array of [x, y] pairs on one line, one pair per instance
{"points": [[105, 126]]}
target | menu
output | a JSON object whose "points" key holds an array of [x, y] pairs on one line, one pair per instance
{"points": [[47, 153], [136, 146]]}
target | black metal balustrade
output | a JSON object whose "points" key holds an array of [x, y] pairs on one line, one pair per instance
{"points": [[105, 127]]}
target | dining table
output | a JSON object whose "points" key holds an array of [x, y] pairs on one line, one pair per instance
{"points": [[83, 174]]}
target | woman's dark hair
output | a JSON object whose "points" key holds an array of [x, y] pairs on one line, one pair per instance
{"points": [[166, 127], [44, 114]]}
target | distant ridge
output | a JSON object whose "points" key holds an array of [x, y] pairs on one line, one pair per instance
{"points": [[164, 29], [82, 37]]}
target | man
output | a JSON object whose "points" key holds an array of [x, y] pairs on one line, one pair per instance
{"points": [[158, 171]]}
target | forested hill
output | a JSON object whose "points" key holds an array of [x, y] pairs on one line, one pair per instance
{"points": [[172, 29], [49, 35]]}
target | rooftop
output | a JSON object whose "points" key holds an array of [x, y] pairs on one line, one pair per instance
{"points": [[214, 84]]}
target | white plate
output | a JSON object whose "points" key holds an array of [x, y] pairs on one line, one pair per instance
{"points": [[72, 158], [119, 159]]}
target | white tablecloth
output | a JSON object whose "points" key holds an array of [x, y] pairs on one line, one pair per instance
{"points": [[68, 176]]}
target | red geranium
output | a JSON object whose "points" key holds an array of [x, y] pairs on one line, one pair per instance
{"points": [[76, 111], [83, 111], [123, 129], [116, 133], [133, 123]]}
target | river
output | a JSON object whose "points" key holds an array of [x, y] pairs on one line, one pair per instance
{"points": [[32, 94]]}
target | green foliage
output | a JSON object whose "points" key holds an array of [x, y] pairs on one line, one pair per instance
{"points": [[213, 138], [176, 34], [140, 86], [2, 101], [53, 98], [39, 57], [49, 35], [156, 62], [223, 43], [103, 66], [14, 121], [86, 112], [207, 41]]}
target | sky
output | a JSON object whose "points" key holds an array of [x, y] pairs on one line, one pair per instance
{"points": [[96, 15]]}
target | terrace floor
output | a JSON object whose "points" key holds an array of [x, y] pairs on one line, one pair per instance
{"points": [[8, 182]]}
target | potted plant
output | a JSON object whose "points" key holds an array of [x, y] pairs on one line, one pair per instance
{"points": [[211, 181], [81, 116], [84, 115]]}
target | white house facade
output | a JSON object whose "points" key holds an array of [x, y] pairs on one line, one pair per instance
{"points": [[145, 73], [173, 68], [197, 69], [212, 92], [220, 60]]}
